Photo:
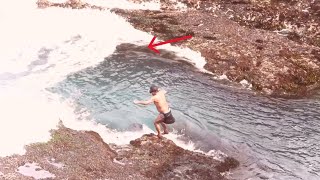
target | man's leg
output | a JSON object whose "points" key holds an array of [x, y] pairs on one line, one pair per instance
{"points": [[165, 129], [157, 123]]}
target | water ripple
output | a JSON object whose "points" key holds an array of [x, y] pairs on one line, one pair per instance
{"points": [[282, 135]]}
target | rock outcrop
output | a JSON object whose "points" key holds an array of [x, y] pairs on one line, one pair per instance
{"points": [[74, 154], [162, 159], [273, 64]]}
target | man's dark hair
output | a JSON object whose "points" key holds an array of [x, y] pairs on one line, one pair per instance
{"points": [[153, 88]]}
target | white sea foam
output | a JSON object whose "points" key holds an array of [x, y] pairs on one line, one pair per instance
{"points": [[35, 171], [58, 165], [71, 40], [246, 84]]}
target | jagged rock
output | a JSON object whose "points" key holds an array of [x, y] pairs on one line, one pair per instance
{"points": [[74, 154], [162, 159], [82, 155]]}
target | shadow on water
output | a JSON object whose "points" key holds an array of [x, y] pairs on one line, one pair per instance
{"points": [[272, 138]]}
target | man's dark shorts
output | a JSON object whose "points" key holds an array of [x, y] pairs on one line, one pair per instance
{"points": [[168, 118]]}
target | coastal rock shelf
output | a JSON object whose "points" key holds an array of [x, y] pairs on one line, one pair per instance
{"points": [[74, 154], [272, 45]]}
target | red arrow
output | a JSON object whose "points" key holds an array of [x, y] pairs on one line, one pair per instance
{"points": [[152, 46]]}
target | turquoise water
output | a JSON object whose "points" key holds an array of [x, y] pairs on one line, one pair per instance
{"points": [[273, 138]]}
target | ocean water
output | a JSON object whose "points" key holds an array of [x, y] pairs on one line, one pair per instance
{"points": [[61, 64]]}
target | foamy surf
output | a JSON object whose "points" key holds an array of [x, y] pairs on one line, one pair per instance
{"points": [[35, 171], [40, 48]]}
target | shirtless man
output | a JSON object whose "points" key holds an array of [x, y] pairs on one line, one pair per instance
{"points": [[159, 100]]}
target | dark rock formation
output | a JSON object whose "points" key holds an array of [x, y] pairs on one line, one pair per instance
{"points": [[74, 154], [162, 159], [135, 127]]}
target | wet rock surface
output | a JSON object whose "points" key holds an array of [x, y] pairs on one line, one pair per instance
{"points": [[162, 159], [74, 154], [81, 155], [273, 64], [272, 44]]}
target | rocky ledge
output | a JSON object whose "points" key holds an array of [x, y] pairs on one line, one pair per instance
{"points": [[273, 44], [74, 154]]}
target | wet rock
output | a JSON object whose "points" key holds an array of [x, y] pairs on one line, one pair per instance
{"points": [[135, 127], [162, 159], [227, 164], [84, 155], [262, 58]]}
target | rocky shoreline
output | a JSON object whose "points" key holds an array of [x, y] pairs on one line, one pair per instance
{"points": [[72, 154], [274, 64], [273, 45]]}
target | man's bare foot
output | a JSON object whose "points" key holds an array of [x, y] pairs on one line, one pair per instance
{"points": [[159, 136], [165, 132]]}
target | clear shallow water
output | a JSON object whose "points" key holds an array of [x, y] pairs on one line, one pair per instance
{"points": [[273, 138]]}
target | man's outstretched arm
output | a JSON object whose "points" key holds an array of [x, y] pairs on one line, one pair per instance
{"points": [[150, 101]]}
